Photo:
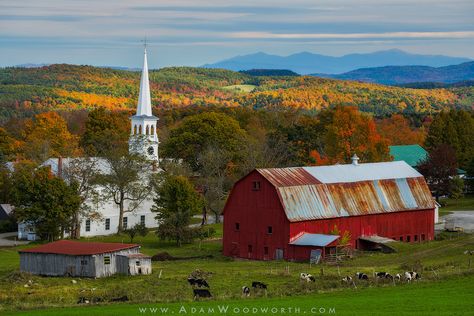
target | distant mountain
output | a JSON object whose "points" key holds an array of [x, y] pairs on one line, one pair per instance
{"points": [[308, 63], [29, 65], [269, 72], [396, 75]]}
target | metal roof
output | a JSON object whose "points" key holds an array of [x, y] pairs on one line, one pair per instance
{"points": [[411, 154], [77, 248], [383, 188], [307, 239], [377, 239]]}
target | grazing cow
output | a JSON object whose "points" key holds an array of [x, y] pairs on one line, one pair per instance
{"points": [[380, 275], [120, 299], [198, 282], [201, 293], [411, 275], [469, 252], [307, 277], [259, 285], [362, 276], [388, 276], [347, 279], [245, 291], [398, 276]]}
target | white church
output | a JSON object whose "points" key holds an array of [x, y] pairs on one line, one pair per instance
{"points": [[143, 140]]}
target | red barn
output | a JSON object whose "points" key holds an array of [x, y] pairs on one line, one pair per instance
{"points": [[287, 212]]}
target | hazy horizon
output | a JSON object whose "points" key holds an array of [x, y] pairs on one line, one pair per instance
{"points": [[187, 33]]}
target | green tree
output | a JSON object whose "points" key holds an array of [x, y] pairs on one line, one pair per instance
{"points": [[105, 131], [455, 128], [137, 229], [44, 201], [197, 132], [456, 187], [176, 202], [6, 146]]}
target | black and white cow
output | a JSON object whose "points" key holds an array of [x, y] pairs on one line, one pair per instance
{"points": [[245, 291], [198, 282], [201, 293], [259, 285], [412, 275], [362, 276], [380, 275], [347, 279], [398, 276], [388, 276], [307, 277]]}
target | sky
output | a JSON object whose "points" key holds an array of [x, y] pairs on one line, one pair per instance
{"points": [[195, 32]]}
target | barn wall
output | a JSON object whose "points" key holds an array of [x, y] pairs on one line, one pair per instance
{"points": [[254, 211], [57, 265], [391, 225], [104, 270], [128, 266]]}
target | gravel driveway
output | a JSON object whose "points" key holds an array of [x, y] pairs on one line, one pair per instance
{"points": [[464, 219], [10, 243]]}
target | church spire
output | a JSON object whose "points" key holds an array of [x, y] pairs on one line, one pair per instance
{"points": [[144, 99]]}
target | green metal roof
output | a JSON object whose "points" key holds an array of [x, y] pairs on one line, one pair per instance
{"points": [[411, 154]]}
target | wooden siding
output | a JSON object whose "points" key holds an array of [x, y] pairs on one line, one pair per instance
{"points": [[128, 266]]}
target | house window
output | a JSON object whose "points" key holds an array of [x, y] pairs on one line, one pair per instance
{"points": [[265, 251], [415, 237], [83, 262], [88, 225], [237, 226], [107, 260], [125, 222], [107, 224], [137, 263], [256, 185], [249, 249], [422, 237], [269, 230], [408, 238], [142, 219]]}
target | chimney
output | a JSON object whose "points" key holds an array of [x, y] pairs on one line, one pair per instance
{"points": [[355, 160], [60, 167]]}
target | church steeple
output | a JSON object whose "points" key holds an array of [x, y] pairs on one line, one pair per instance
{"points": [[143, 135], [144, 99]]}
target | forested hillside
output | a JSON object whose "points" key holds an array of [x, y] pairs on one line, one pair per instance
{"points": [[25, 91]]}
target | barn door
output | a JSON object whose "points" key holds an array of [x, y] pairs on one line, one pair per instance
{"points": [[278, 254]]}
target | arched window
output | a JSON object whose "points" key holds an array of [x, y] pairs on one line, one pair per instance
{"points": [[134, 129], [147, 130], [152, 130], [140, 129]]}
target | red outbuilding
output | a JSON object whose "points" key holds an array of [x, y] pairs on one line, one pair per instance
{"points": [[285, 213]]}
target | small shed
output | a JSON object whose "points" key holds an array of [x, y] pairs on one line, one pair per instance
{"points": [[74, 258], [133, 264]]}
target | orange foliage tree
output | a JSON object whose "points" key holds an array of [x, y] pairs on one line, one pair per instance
{"points": [[348, 131], [397, 130], [47, 135]]}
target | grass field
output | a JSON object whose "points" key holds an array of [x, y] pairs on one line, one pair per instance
{"points": [[438, 261], [241, 88], [465, 203]]}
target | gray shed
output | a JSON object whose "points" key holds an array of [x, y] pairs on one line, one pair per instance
{"points": [[133, 264], [74, 258]]}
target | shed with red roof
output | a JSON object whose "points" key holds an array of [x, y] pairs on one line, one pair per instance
{"points": [[80, 259]]}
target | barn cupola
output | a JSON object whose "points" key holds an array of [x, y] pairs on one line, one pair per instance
{"points": [[355, 160], [143, 135]]}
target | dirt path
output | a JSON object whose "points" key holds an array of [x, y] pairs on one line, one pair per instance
{"points": [[10, 243]]}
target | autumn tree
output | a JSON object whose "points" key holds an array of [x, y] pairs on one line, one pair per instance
{"points": [[44, 201], [347, 131], [6, 146], [439, 168], [455, 128], [46, 136], [175, 203], [397, 130]]}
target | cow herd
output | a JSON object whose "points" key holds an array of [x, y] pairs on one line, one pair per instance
{"points": [[407, 276], [201, 288]]}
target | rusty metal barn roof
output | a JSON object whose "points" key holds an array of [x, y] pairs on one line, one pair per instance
{"points": [[371, 188]]}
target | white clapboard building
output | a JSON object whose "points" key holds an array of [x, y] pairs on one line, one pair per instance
{"points": [[143, 140]]}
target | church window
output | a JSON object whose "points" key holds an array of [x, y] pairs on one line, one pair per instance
{"points": [[134, 129], [140, 129], [152, 130], [142, 220], [88, 225], [147, 130], [107, 224]]}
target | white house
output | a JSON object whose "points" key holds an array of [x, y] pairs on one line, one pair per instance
{"points": [[143, 140]]}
